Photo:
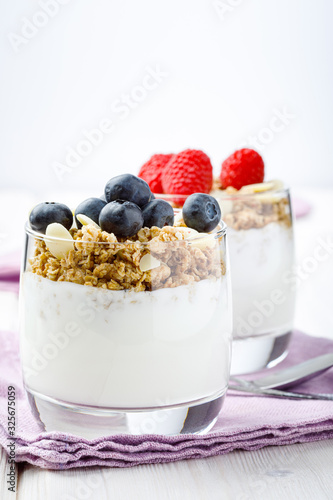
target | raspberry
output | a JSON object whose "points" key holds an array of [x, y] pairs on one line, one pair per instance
{"points": [[151, 171], [243, 167], [188, 172]]}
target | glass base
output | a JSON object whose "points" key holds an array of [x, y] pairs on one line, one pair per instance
{"points": [[255, 353], [91, 422]]}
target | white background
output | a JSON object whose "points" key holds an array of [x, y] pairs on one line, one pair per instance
{"points": [[228, 73]]}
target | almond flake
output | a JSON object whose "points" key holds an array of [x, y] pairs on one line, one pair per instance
{"points": [[85, 220], [148, 262], [202, 241], [64, 243]]}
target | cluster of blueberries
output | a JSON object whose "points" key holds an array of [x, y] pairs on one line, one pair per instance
{"points": [[126, 206]]}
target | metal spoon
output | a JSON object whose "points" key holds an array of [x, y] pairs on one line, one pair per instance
{"points": [[288, 377], [275, 393]]}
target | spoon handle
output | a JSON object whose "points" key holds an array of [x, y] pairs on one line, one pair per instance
{"points": [[287, 377], [279, 394]]}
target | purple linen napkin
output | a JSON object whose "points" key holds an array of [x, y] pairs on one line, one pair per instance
{"points": [[10, 272], [10, 266], [246, 422], [9, 284], [300, 207]]}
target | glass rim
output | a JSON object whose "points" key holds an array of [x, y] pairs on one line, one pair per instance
{"points": [[218, 232], [226, 196]]}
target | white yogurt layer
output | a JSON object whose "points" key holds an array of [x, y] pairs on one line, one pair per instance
{"points": [[125, 349], [263, 300]]}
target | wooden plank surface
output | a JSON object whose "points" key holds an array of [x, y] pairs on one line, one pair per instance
{"points": [[301, 471]]}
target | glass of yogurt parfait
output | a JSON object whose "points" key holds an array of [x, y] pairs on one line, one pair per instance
{"points": [[260, 234], [261, 242], [125, 334]]}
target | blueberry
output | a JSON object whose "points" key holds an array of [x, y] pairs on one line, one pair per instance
{"points": [[45, 213], [91, 208], [201, 212], [128, 187], [102, 197], [122, 218], [158, 213]]}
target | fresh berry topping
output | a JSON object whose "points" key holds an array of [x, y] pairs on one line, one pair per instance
{"points": [[152, 170], [128, 187], [243, 167], [201, 212], [122, 218], [48, 212], [188, 172], [91, 208], [158, 213]]}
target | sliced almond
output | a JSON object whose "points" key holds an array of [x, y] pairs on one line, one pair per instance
{"points": [[278, 184], [85, 221], [202, 241], [148, 262], [187, 232], [262, 187], [178, 218], [179, 235], [63, 245], [272, 196], [257, 188]]}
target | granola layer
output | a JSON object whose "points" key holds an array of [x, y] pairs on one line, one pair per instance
{"points": [[253, 211], [101, 260]]}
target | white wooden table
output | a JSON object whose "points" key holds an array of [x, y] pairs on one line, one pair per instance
{"points": [[299, 471]]}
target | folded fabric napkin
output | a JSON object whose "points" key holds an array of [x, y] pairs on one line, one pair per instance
{"points": [[9, 284], [10, 265], [301, 207], [246, 422], [10, 271]]}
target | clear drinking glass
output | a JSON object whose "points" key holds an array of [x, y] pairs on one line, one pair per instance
{"points": [[261, 246], [261, 243], [151, 356]]}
